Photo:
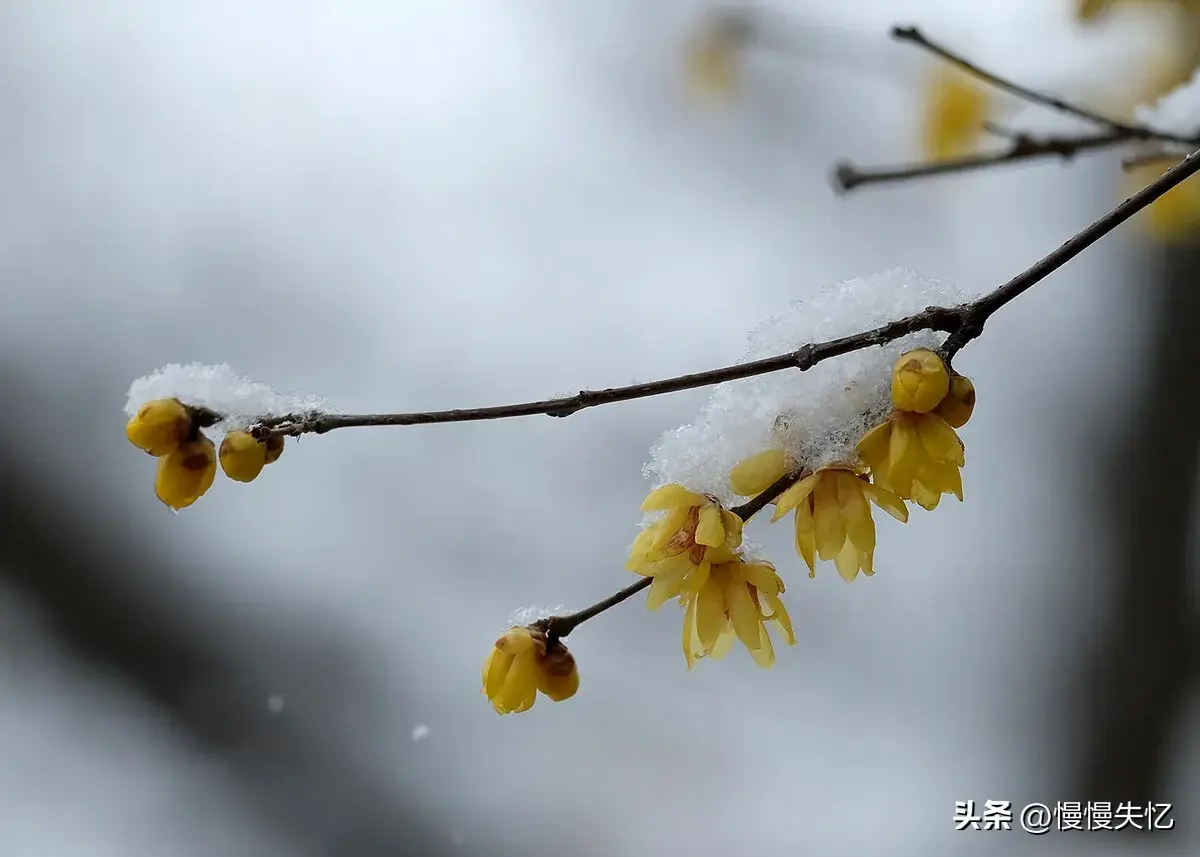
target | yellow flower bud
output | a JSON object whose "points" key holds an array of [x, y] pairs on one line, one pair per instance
{"points": [[242, 457], [920, 381], [186, 473], [956, 108], [160, 426], [1090, 10], [521, 664], [959, 403], [274, 447]]}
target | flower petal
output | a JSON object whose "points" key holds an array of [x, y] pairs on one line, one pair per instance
{"points": [[925, 496], [520, 687], [762, 576], [710, 613], [710, 531], [558, 687], [874, 445], [733, 529], [847, 561], [758, 473], [830, 530], [495, 670], [887, 501], [940, 441], [806, 544], [692, 650], [764, 653], [744, 615], [945, 478], [794, 496], [666, 586], [856, 512], [669, 496], [724, 643], [904, 457], [780, 614]]}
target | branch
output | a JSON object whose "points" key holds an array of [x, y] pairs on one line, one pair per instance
{"points": [[1024, 147], [968, 321], [915, 37], [943, 319], [979, 311], [963, 323]]}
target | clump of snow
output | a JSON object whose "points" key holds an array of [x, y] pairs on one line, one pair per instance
{"points": [[816, 416], [218, 388], [276, 703], [420, 732], [529, 615], [1177, 112]]}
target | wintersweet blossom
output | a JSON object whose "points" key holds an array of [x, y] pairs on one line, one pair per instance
{"points": [[186, 473], [955, 111], [522, 664], [692, 534], [733, 599], [713, 56], [159, 426], [242, 457], [834, 520]]}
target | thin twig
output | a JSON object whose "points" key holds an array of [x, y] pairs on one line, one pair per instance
{"points": [[847, 177], [916, 37], [943, 319], [963, 323], [1024, 147], [1158, 156], [976, 313]]}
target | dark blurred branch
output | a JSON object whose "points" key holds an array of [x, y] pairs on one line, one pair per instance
{"points": [[119, 607], [1022, 147], [1141, 671]]}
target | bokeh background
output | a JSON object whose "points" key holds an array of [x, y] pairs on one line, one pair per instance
{"points": [[407, 206]]}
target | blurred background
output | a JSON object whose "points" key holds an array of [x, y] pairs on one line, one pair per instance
{"points": [[408, 206]]}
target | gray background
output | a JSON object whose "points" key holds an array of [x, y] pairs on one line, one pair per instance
{"points": [[426, 205]]}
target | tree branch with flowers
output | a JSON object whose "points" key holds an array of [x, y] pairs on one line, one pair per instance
{"points": [[881, 432], [909, 451]]}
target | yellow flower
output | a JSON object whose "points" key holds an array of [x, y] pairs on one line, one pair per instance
{"points": [[833, 518], [915, 456], [726, 601], [274, 447], [759, 472], [959, 404], [713, 57], [159, 426], [920, 381], [955, 112], [186, 473], [1173, 216], [695, 532], [242, 457], [1091, 10], [521, 664]]}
